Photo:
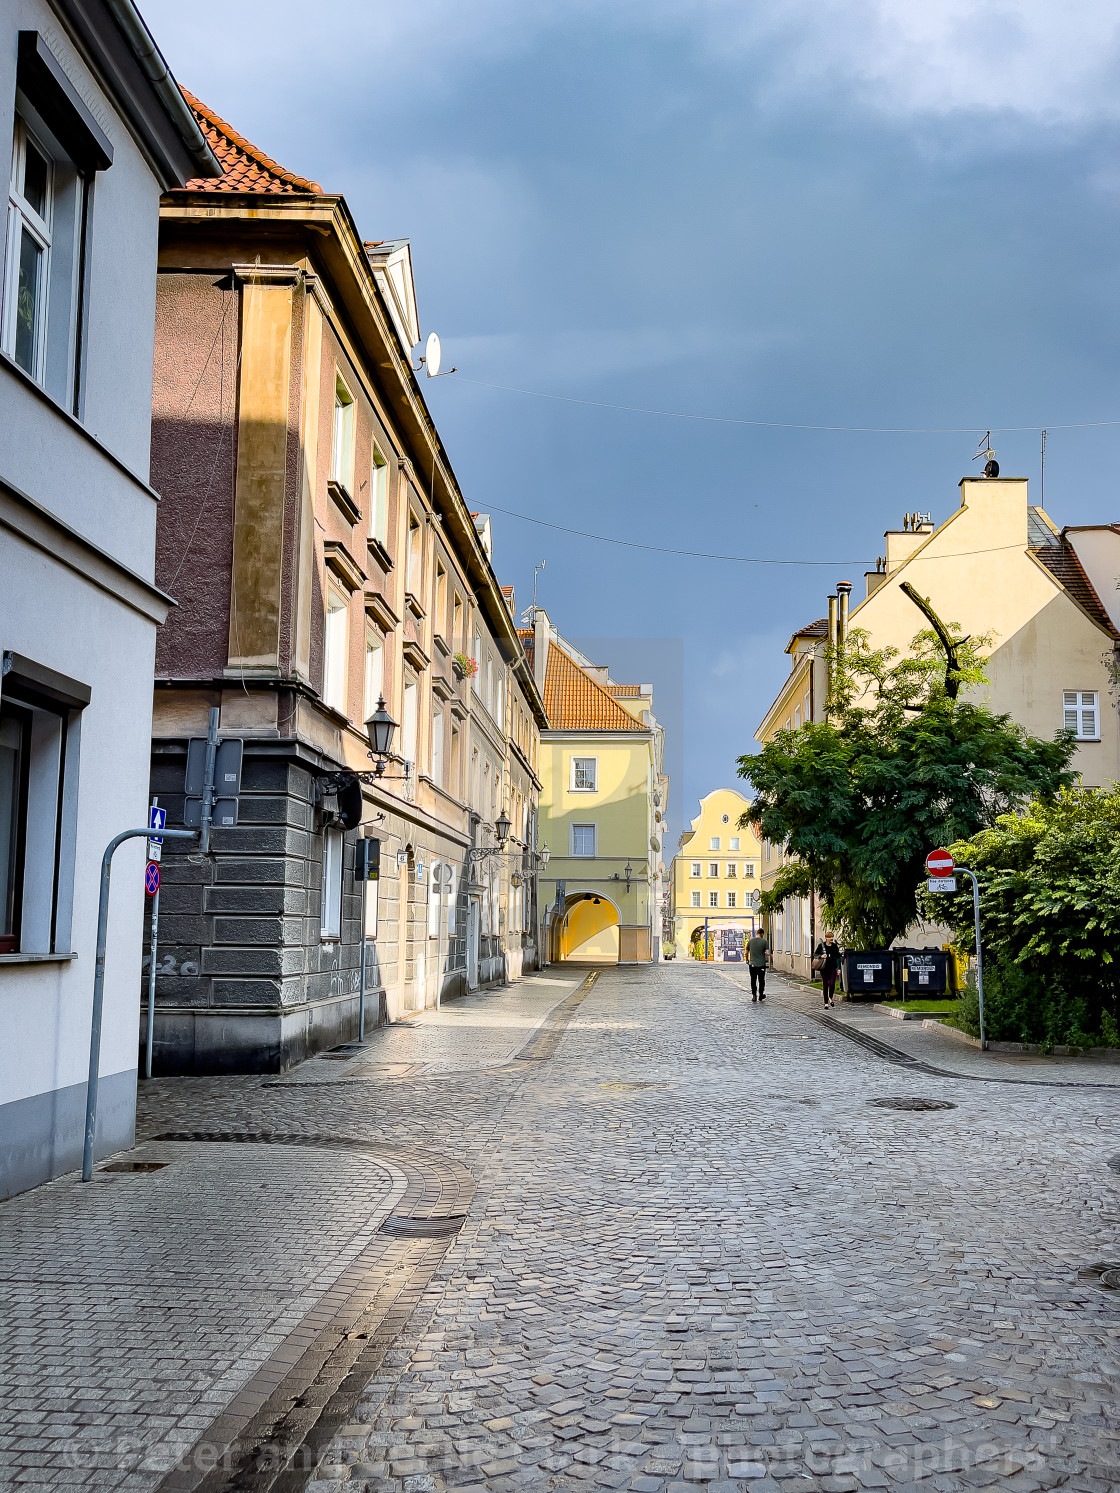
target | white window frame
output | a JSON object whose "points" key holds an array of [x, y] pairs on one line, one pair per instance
{"points": [[588, 766], [22, 216], [713, 843], [336, 648], [696, 899], [342, 434], [713, 870], [732, 899], [713, 899], [1081, 707], [733, 842], [437, 746], [374, 676], [330, 905], [379, 498], [573, 838], [748, 870], [410, 720], [732, 870], [414, 555], [476, 682], [697, 868]]}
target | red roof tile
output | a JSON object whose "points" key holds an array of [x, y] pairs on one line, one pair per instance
{"points": [[1063, 564], [625, 689], [573, 701], [244, 167]]}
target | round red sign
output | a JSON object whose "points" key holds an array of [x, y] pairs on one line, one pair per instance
{"points": [[939, 863]]}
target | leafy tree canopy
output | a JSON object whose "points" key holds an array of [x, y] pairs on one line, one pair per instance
{"points": [[898, 770]]}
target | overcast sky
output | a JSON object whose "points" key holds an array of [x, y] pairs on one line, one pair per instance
{"points": [[810, 212]]}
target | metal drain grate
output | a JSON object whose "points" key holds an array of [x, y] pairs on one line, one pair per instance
{"points": [[134, 1166], [912, 1103], [422, 1228], [1106, 1273]]}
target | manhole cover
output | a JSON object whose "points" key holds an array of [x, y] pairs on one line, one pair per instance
{"points": [[134, 1166], [912, 1103], [1105, 1272]]}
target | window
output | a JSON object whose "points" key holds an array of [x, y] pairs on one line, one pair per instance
{"points": [[583, 839], [696, 899], [449, 898], [713, 868], [695, 868], [713, 843], [409, 721], [457, 639], [374, 685], [371, 905], [342, 441], [731, 899], [1082, 713], [40, 726], [585, 774], [30, 204], [379, 499], [797, 719], [437, 746], [476, 654], [413, 556], [456, 783], [490, 685], [733, 843], [435, 895], [334, 651], [713, 899], [439, 621], [807, 713], [500, 698], [748, 869], [331, 904]]}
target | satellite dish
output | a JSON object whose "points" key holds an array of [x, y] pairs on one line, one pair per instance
{"points": [[433, 355]]}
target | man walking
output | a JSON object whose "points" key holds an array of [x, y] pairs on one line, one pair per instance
{"points": [[758, 956]]}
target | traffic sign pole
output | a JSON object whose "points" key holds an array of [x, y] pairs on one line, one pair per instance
{"points": [[979, 958], [99, 984], [156, 820]]}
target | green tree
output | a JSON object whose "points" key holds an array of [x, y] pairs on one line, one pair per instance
{"points": [[1049, 913], [898, 769]]}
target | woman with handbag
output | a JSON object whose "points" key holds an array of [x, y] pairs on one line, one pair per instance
{"points": [[826, 963]]}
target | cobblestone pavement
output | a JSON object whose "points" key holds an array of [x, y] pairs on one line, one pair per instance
{"points": [[699, 1254]]}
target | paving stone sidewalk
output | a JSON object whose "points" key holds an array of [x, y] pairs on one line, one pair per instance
{"points": [[701, 1254]]}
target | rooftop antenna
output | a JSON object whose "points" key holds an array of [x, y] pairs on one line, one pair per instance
{"points": [[536, 571], [991, 465], [432, 358], [1042, 483]]}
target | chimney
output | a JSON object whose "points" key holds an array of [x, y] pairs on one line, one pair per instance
{"points": [[831, 641], [542, 630], [844, 590]]}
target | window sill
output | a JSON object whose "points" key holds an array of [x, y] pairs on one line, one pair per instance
{"points": [[340, 494], [36, 958]]}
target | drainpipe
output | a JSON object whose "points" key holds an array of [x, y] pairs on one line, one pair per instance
{"points": [[831, 651]]}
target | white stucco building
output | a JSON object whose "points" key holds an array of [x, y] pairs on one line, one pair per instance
{"points": [[92, 130]]}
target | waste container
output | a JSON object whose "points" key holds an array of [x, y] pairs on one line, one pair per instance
{"points": [[868, 973], [927, 972]]}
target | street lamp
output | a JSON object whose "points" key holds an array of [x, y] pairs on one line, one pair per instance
{"points": [[380, 728], [543, 855], [502, 826]]}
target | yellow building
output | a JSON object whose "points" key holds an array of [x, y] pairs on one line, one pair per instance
{"points": [[602, 807], [997, 565], [715, 877]]}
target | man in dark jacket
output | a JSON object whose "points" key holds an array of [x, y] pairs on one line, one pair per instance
{"points": [[758, 957]]}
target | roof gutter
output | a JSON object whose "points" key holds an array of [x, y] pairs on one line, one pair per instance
{"points": [[155, 69]]}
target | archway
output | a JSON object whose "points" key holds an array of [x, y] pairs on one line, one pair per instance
{"points": [[589, 929]]}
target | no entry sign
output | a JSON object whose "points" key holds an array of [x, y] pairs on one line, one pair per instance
{"points": [[940, 863]]}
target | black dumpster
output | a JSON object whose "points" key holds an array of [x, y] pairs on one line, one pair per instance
{"points": [[869, 973], [927, 972]]}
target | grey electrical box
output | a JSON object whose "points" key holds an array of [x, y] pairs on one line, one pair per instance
{"points": [[367, 860], [227, 782]]}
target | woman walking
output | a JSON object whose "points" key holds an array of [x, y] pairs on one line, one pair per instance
{"points": [[826, 962]]}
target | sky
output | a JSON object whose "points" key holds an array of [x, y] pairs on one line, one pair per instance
{"points": [[870, 214]]}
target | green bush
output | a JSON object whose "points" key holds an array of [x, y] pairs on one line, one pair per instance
{"points": [[1022, 1004]]}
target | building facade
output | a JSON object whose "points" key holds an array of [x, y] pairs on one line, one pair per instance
{"points": [[715, 879], [90, 142], [323, 558], [997, 566], [603, 802]]}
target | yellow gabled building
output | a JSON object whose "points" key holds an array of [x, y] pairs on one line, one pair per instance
{"points": [[602, 807], [715, 877]]}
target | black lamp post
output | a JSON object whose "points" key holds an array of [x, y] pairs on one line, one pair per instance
{"points": [[380, 728], [502, 825]]}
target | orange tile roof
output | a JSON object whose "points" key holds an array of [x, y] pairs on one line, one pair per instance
{"points": [[1061, 561], [625, 689], [573, 701], [244, 167]]}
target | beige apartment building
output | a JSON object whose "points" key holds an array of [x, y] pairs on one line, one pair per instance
{"points": [[322, 556], [715, 878], [997, 565]]}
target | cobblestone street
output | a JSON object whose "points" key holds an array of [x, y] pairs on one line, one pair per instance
{"points": [[635, 1232]]}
